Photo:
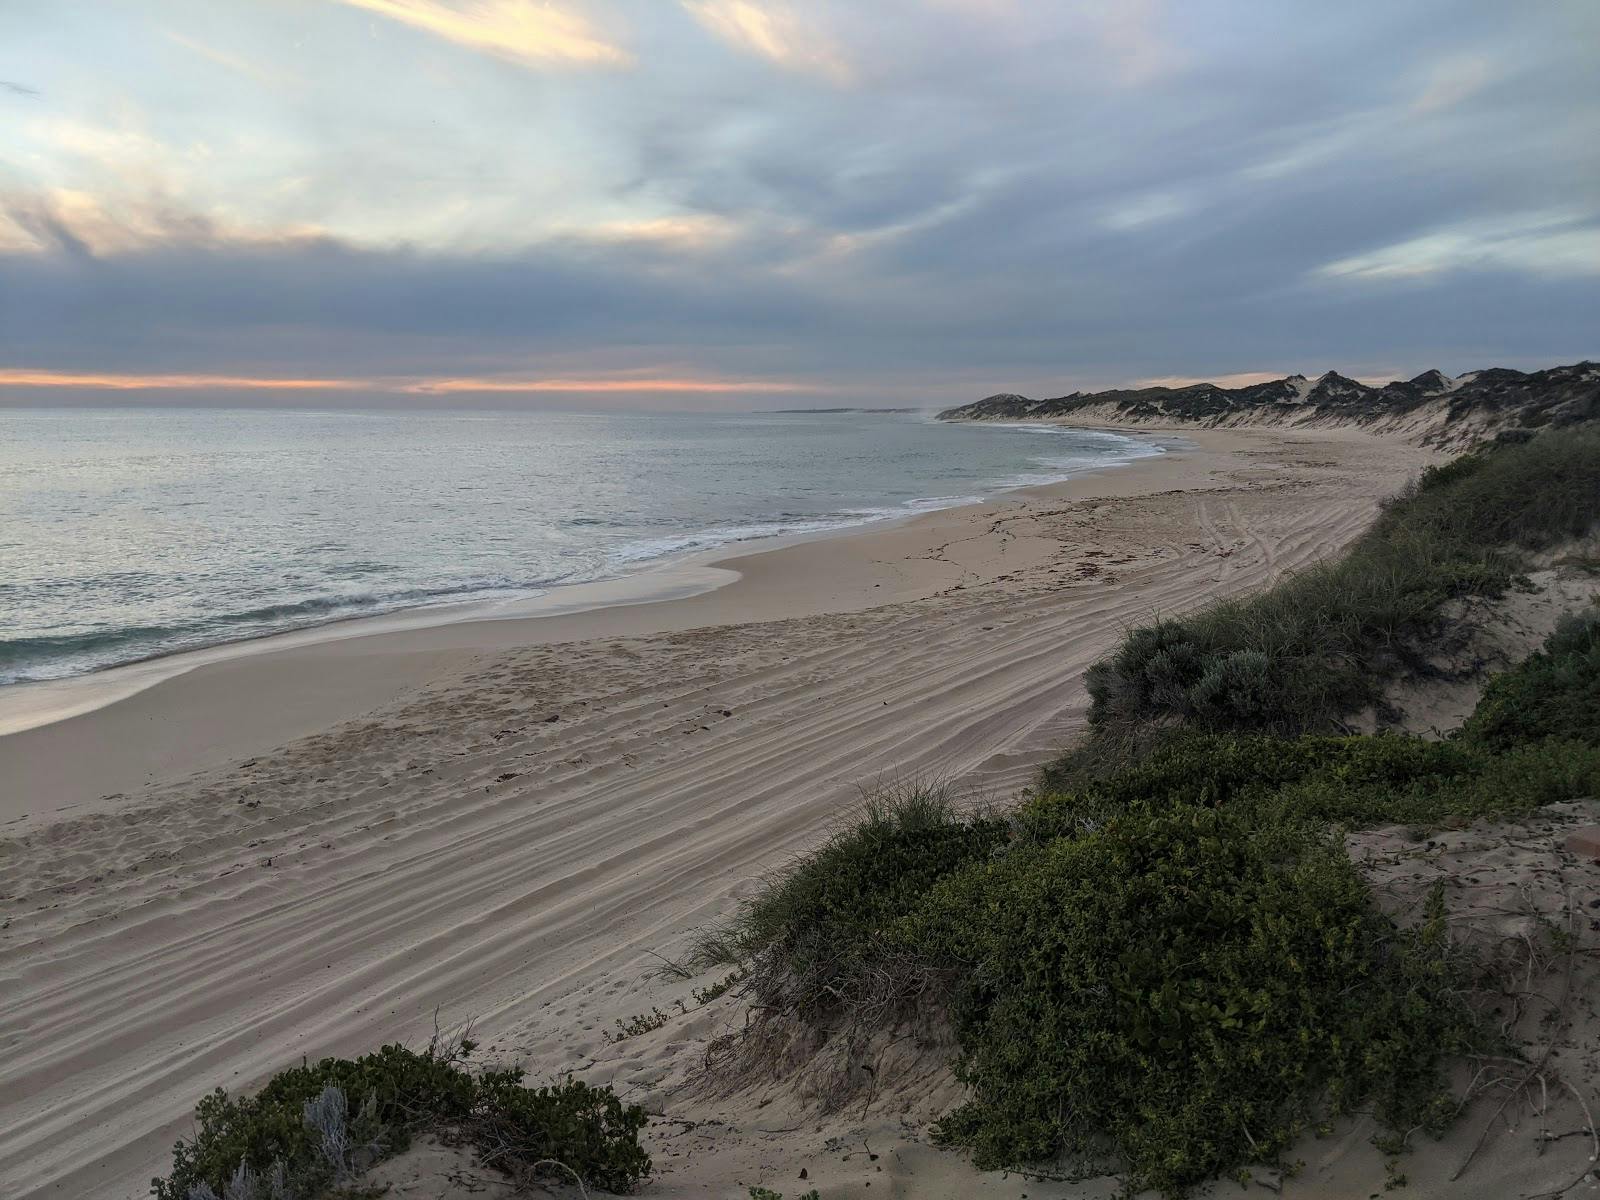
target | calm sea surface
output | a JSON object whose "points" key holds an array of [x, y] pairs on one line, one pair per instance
{"points": [[133, 532]]}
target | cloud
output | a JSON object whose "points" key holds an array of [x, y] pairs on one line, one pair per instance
{"points": [[1149, 209], [232, 62], [1238, 379], [772, 30], [1234, 380], [1133, 35], [684, 232], [1454, 80], [80, 224], [1007, 196], [1539, 244], [635, 384], [519, 31], [1321, 147], [22, 377]]}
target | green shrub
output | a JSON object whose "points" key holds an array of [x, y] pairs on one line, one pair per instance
{"points": [[1186, 991], [1217, 768], [820, 920], [1555, 693], [1353, 781], [1172, 963], [1321, 643], [1296, 658], [1531, 495], [1506, 784], [586, 1129], [396, 1092]]}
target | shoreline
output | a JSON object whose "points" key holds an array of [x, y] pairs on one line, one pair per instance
{"points": [[32, 704], [169, 715], [317, 851]]}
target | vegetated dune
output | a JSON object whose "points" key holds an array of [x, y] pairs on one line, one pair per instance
{"points": [[1168, 967], [1433, 408]]}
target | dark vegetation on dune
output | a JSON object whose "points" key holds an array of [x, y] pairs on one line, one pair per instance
{"points": [[314, 1129], [1164, 963], [1493, 399], [1322, 644]]}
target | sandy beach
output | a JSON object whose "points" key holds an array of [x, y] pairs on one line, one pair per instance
{"points": [[314, 850]]}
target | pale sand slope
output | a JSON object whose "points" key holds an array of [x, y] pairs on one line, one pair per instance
{"points": [[454, 849]]}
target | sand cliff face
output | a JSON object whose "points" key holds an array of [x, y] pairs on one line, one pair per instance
{"points": [[1431, 409]]}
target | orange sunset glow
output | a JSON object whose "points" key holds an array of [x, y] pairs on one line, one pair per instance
{"points": [[120, 382]]}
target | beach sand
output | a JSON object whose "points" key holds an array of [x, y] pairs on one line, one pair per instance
{"points": [[314, 850]]}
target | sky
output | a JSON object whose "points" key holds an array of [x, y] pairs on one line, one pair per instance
{"points": [[709, 204]]}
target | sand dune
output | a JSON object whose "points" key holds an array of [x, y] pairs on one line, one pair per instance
{"points": [[526, 814]]}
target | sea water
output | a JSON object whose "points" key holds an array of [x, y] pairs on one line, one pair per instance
{"points": [[133, 532]]}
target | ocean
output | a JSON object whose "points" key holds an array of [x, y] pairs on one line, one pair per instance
{"points": [[135, 532]]}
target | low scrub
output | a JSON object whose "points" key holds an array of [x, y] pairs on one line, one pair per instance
{"points": [[814, 933], [1555, 693], [1351, 781], [1172, 979], [318, 1126], [1320, 645], [1170, 966], [1186, 992]]}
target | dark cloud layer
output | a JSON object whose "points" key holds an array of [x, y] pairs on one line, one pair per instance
{"points": [[990, 199]]}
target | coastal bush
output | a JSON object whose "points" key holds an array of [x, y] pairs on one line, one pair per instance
{"points": [[1294, 659], [1170, 967], [1527, 495], [1554, 693], [1175, 968], [289, 1133], [1321, 643], [1184, 991], [1352, 781], [816, 925]]}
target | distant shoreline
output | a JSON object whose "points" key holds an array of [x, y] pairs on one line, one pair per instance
{"points": [[31, 704], [497, 551], [848, 409], [330, 679]]}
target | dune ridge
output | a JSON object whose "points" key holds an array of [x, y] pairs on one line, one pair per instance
{"points": [[1432, 408]]}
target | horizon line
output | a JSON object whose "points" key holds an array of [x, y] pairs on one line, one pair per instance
{"points": [[111, 381]]}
